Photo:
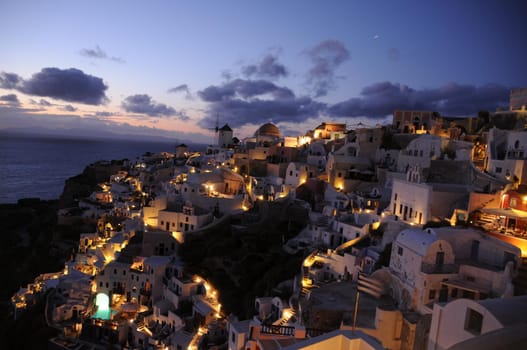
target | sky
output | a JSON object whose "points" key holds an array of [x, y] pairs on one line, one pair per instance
{"points": [[177, 68]]}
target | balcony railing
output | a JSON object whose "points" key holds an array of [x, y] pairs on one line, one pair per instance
{"points": [[277, 330]]}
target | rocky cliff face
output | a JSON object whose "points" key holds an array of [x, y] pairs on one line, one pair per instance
{"points": [[84, 184], [33, 243]]}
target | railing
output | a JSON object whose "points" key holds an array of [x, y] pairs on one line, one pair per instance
{"points": [[277, 330]]}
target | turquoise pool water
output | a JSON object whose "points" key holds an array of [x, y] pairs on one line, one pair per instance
{"points": [[104, 314]]}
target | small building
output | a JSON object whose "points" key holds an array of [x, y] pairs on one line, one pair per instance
{"points": [[225, 136], [479, 324]]}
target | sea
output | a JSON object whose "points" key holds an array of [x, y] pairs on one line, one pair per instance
{"points": [[38, 166]]}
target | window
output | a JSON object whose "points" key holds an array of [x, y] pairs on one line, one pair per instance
{"points": [[233, 337], [395, 197], [473, 321], [432, 294], [162, 222], [498, 170], [115, 271], [399, 250], [291, 173], [124, 272], [173, 224]]}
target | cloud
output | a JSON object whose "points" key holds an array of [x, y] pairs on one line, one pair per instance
{"points": [[242, 102], [269, 68], [98, 53], [10, 81], [11, 99], [381, 99], [143, 104], [181, 88], [393, 54], [71, 85], [226, 75], [326, 57], [44, 103], [69, 108], [244, 89]]}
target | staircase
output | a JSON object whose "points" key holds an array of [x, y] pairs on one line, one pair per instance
{"points": [[370, 286], [486, 220], [140, 323]]}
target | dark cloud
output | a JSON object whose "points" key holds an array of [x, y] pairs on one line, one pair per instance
{"points": [[69, 108], [183, 88], [11, 99], [241, 102], [393, 54], [44, 103], [98, 53], [10, 81], [238, 112], [71, 85], [243, 89], [269, 68], [180, 88], [326, 57], [381, 99], [143, 104]]}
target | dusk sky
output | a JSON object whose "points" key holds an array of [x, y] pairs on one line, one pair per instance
{"points": [[169, 68]]}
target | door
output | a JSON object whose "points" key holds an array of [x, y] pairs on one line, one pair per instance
{"points": [[440, 260]]}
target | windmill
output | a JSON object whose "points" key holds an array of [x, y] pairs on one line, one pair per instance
{"points": [[216, 129]]}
